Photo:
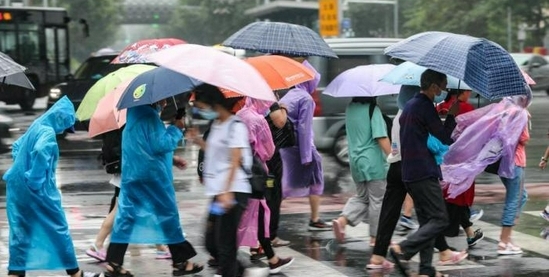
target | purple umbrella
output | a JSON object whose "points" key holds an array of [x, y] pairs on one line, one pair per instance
{"points": [[362, 81]]}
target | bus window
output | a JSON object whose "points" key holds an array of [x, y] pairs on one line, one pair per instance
{"points": [[63, 56], [8, 43]]}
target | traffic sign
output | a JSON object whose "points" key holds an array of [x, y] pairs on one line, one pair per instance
{"points": [[328, 17]]}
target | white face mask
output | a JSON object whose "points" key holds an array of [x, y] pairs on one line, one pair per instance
{"points": [[439, 98]]}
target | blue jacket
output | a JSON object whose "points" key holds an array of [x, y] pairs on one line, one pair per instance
{"points": [[39, 234], [147, 209]]}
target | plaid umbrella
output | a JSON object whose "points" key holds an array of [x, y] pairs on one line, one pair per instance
{"points": [[280, 38], [8, 66], [482, 64]]}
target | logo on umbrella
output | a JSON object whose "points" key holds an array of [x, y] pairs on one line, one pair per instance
{"points": [[139, 91]]}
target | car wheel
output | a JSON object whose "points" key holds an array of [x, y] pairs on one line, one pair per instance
{"points": [[340, 150], [27, 102]]}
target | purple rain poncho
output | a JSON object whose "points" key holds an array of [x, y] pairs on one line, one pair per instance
{"points": [[301, 164], [482, 137]]}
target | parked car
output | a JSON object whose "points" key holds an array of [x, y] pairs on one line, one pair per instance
{"points": [[536, 66], [76, 86], [6, 124]]}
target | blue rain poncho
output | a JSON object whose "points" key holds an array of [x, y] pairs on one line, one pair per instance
{"points": [[147, 210], [39, 233]]}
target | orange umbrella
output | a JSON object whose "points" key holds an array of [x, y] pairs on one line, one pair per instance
{"points": [[228, 94], [106, 116], [281, 72]]}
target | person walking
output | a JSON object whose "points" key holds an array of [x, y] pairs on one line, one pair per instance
{"points": [[39, 233], [147, 209], [420, 172], [369, 146]]}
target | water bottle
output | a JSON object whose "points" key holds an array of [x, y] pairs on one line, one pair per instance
{"points": [[394, 148]]}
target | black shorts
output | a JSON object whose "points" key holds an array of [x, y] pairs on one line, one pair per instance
{"points": [[114, 198]]}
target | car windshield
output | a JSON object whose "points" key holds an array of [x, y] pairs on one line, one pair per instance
{"points": [[95, 68], [521, 59]]}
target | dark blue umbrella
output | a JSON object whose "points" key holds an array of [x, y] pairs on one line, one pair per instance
{"points": [[484, 65], [154, 85], [280, 38]]}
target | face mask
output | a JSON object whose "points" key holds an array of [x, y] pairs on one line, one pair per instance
{"points": [[208, 114], [441, 97]]}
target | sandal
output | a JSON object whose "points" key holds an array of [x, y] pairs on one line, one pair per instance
{"points": [[384, 265], [257, 254], [117, 271], [96, 253], [180, 269], [456, 258]]}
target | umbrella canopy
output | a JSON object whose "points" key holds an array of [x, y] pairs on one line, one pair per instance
{"points": [[362, 81], [281, 72], [216, 68], [409, 73], [137, 52], [484, 65], [105, 85], [280, 38], [17, 79], [155, 85], [8, 66], [107, 117]]}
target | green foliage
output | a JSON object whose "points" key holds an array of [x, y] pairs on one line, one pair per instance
{"points": [[208, 22], [103, 17]]}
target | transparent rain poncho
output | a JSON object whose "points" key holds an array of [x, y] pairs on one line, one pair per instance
{"points": [[482, 137], [39, 233]]}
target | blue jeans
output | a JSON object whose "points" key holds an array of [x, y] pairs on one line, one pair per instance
{"points": [[515, 197]]}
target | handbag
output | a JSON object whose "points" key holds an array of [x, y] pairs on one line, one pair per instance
{"points": [[493, 168]]}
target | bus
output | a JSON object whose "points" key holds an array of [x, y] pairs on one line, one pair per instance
{"points": [[37, 38]]}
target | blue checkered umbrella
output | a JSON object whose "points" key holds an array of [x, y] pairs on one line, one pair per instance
{"points": [[482, 64], [8, 66], [280, 38]]}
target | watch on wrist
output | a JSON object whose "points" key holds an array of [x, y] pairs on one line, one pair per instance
{"points": [[543, 159]]}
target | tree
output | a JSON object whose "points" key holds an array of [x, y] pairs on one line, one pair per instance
{"points": [[376, 20], [103, 19], [208, 21]]}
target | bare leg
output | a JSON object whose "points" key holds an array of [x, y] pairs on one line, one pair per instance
{"points": [[470, 232], [505, 235], [314, 202], [408, 206], [162, 247], [106, 228]]}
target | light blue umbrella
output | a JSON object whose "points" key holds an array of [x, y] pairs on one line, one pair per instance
{"points": [[484, 65], [408, 73], [154, 85]]}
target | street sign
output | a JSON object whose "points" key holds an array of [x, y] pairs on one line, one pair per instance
{"points": [[328, 17], [346, 23]]}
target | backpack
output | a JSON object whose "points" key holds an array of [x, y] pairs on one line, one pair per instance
{"points": [[111, 151], [387, 119]]}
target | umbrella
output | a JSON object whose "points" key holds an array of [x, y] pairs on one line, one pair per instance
{"points": [[362, 81], [17, 79], [281, 72], [408, 73], [107, 117], [216, 68], [484, 65], [154, 85], [105, 85], [137, 52], [8, 66], [280, 38]]}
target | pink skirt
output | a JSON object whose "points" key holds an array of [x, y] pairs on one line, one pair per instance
{"points": [[247, 230]]}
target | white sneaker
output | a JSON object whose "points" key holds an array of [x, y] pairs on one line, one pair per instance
{"points": [[508, 249], [256, 272]]}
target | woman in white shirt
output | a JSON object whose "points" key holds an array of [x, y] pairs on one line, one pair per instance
{"points": [[226, 153]]}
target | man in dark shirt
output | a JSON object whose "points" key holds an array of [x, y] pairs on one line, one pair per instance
{"points": [[420, 172]]}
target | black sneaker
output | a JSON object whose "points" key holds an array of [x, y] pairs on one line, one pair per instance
{"points": [[319, 225], [180, 269], [478, 236], [282, 264]]}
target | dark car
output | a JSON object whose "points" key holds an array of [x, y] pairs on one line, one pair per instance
{"points": [[76, 86], [536, 66]]}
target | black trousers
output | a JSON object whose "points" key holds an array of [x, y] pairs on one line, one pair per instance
{"points": [[433, 220], [395, 194], [181, 252], [221, 236], [265, 242], [21, 273], [274, 201]]}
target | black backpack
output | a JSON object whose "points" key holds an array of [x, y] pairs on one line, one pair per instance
{"points": [[111, 151], [387, 119]]}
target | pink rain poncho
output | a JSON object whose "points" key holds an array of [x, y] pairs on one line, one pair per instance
{"points": [[482, 137]]}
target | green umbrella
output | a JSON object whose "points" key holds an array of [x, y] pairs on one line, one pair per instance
{"points": [[105, 85]]}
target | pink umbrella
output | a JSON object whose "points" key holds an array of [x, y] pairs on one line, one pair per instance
{"points": [[137, 51], [107, 117], [216, 68], [528, 79]]}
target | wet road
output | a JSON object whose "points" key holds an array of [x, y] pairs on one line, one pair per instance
{"points": [[86, 195]]}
